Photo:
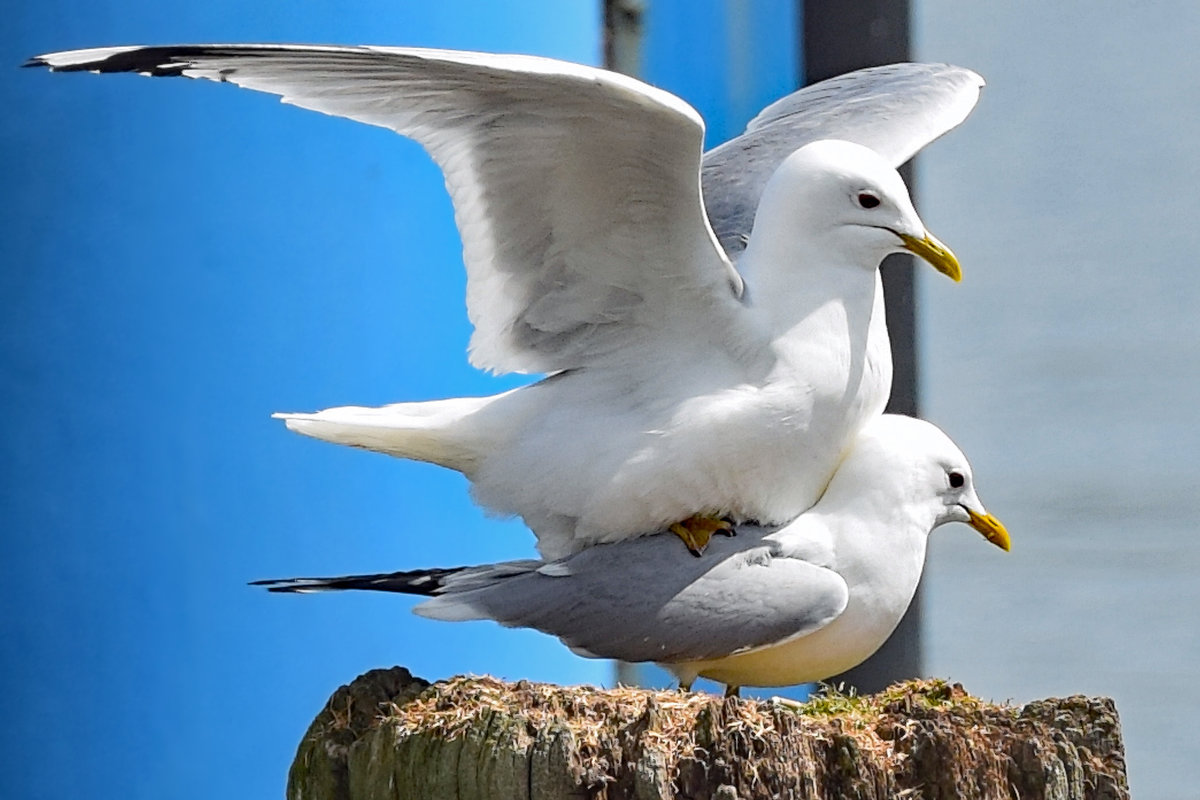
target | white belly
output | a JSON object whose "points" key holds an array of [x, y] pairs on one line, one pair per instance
{"points": [[843, 644], [608, 454], [615, 464]]}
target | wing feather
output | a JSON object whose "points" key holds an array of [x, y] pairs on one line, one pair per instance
{"points": [[576, 190]]}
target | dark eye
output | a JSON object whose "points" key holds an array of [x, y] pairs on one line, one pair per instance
{"points": [[957, 480], [868, 199]]}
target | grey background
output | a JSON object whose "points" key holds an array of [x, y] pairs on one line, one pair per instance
{"points": [[1066, 364]]}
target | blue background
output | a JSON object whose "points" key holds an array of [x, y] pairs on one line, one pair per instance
{"points": [[179, 261]]}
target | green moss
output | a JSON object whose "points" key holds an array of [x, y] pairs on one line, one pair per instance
{"points": [[830, 700], [837, 701]]}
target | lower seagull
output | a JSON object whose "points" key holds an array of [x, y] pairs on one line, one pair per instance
{"points": [[773, 607]]}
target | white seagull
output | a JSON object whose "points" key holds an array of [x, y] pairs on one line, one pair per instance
{"points": [[682, 392], [773, 607]]}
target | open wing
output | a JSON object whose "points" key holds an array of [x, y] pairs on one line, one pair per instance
{"points": [[895, 110], [576, 190]]}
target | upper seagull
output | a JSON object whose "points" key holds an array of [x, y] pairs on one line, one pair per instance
{"points": [[681, 389]]}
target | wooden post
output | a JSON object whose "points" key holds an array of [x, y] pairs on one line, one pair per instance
{"points": [[389, 735]]}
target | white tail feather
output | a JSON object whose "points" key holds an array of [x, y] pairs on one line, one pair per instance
{"points": [[438, 431]]}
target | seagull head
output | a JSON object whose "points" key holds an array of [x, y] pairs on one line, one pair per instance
{"points": [[848, 204], [909, 463], [954, 485]]}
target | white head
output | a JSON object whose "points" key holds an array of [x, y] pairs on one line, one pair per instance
{"points": [[839, 201], [901, 462]]}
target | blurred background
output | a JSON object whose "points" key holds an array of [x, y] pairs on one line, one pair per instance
{"points": [[179, 260]]}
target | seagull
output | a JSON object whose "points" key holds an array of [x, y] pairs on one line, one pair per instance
{"points": [[711, 347], [773, 607]]}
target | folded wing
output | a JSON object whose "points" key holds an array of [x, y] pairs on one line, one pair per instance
{"points": [[638, 601]]}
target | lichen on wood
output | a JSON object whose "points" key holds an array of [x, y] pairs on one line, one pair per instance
{"points": [[390, 735]]}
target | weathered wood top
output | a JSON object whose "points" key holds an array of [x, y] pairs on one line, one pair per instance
{"points": [[390, 735]]}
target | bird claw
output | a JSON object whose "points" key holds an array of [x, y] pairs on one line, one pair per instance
{"points": [[698, 529]]}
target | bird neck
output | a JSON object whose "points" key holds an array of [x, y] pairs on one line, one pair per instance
{"points": [[832, 316], [808, 290], [865, 496]]}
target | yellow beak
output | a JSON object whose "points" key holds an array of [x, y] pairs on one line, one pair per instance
{"points": [[991, 528], [935, 253]]}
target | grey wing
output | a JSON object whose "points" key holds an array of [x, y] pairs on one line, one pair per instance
{"points": [[640, 601], [895, 110]]}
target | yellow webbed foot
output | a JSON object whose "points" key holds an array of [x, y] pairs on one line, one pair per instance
{"points": [[696, 530]]}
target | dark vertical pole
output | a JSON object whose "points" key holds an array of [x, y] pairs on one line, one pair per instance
{"points": [[838, 37], [623, 21]]}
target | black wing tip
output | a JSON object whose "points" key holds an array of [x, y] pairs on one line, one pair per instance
{"points": [[287, 585], [156, 61], [426, 582]]}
